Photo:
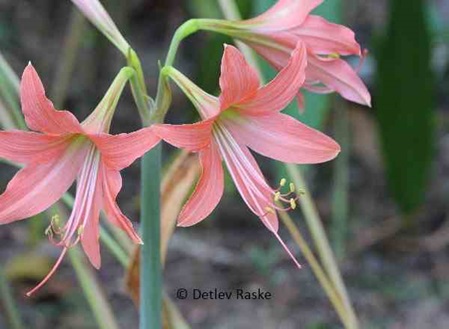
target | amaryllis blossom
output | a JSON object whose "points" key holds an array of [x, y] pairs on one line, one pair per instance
{"points": [[245, 116], [95, 12], [60, 151], [275, 33]]}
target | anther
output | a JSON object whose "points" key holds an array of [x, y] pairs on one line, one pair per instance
{"points": [[80, 230], [292, 188], [277, 196], [55, 220], [293, 203], [49, 231], [270, 210], [283, 182], [334, 55]]}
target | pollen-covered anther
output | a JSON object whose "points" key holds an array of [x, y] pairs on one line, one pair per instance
{"points": [[334, 56], [269, 210], [292, 188], [80, 230], [54, 229], [293, 203], [277, 196], [49, 231], [286, 201], [55, 221], [79, 233]]}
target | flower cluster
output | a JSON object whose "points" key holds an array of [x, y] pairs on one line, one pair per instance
{"points": [[275, 33], [246, 116], [61, 150]]}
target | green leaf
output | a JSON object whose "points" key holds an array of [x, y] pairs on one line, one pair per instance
{"points": [[404, 102]]}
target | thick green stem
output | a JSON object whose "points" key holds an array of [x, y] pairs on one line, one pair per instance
{"points": [[9, 304], [151, 269]]}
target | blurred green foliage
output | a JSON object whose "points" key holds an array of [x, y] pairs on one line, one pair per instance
{"points": [[404, 102]]}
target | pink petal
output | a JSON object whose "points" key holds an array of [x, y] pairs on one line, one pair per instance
{"points": [[192, 137], [284, 15], [36, 187], [238, 80], [120, 151], [247, 177], [91, 232], [323, 37], [277, 94], [278, 58], [112, 184], [283, 138], [338, 75], [40, 115], [208, 191], [29, 147]]}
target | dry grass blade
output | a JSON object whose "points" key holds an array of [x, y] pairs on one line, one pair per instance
{"points": [[176, 186]]}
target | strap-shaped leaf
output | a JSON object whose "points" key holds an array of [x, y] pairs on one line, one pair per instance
{"points": [[404, 102]]}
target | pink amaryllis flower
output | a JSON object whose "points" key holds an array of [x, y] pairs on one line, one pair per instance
{"points": [[275, 33], [245, 116], [60, 151]]}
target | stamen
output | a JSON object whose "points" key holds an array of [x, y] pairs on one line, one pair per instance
{"points": [[70, 235], [287, 250], [48, 276], [277, 196], [293, 203], [269, 210], [334, 55], [55, 221], [49, 231], [290, 198], [292, 188]]}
